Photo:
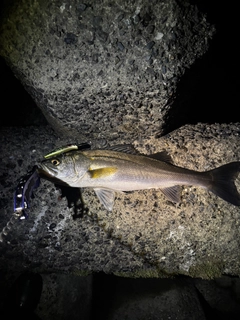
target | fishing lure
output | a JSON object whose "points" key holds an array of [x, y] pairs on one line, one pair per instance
{"points": [[21, 199], [67, 148], [24, 192], [31, 181]]}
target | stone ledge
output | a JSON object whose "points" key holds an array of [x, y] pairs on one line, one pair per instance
{"points": [[145, 235]]}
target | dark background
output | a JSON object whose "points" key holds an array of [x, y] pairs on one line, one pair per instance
{"points": [[208, 92]]}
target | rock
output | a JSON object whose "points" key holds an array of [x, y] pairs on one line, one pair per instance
{"points": [[145, 234], [160, 299], [94, 68]]}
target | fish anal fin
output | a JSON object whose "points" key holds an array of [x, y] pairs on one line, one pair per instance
{"points": [[172, 193], [106, 197], [162, 156], [102, 172]]}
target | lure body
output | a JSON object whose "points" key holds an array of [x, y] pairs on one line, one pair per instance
{"points": [[30, 181], [24, 192]]}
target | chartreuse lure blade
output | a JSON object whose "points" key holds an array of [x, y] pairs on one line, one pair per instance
{"points": [[67, 148], [58, 151]]}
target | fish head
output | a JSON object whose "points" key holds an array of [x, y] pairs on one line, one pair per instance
{"points": [[67, 168]]}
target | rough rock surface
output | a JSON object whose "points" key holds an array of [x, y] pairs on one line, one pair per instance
{"points": [[103, 69], [145, 234]]}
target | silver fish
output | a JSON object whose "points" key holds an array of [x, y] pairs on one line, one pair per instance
{"points": [[122, 169]]}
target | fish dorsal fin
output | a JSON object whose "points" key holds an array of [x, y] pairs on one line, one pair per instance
{"points": [[102, 172], [106, 197], [127, 148], [162, 156], [172, 193]]}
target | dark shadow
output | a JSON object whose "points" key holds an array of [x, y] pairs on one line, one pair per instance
{"points": [[20, 107], [103, 295], [208, 91], [74, 199]]}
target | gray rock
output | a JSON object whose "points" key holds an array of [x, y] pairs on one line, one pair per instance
{"points": [[100, 70], [160, 299], [65, 296], [145, 235]]}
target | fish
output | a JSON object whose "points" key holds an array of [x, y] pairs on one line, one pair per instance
{"points": [[122, 168], [24, 192]]}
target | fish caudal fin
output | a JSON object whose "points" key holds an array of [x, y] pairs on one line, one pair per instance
{"points": [[222, 182]]}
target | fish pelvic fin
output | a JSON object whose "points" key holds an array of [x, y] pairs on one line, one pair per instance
{"points": [[222, 182], [106, 197]]}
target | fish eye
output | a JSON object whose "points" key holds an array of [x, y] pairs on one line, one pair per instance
{"points": [[55, 162]]}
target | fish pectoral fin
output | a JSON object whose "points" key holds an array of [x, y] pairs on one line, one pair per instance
{"points": [[102, 172], [172, 193], [106, 197]]}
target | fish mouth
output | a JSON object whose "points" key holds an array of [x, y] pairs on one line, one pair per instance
{"points": [[46, 171], [49, 174]]}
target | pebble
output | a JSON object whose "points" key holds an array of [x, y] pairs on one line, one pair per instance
{"points": [[70, 38], [52, 226], [150, 45], [120, 46], [158, 36]]}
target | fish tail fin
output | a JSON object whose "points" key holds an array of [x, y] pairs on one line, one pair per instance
{"points": [[222, 182]]}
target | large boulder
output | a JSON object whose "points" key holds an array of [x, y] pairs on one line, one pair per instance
{"points": [[103, 69], [145, 234]]}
